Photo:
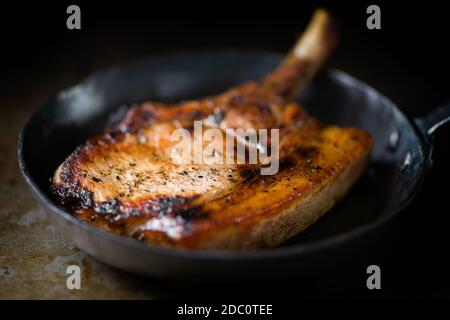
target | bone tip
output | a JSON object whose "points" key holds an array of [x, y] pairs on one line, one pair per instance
{"points": [[321, 15], [322, 21], [320, 36]]}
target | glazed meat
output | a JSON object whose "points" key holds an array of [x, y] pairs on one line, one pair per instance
{"points": [[126, 181]]}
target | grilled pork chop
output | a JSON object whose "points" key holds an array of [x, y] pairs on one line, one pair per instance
{"points": [[125, 181]]}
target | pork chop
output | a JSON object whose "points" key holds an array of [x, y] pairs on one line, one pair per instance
{"points": [[126, 182]]}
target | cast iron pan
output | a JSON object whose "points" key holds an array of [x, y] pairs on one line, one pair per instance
{"points": [[401, 157]]}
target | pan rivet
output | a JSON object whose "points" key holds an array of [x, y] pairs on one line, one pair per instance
{"points": [[394, 137], [406, 161]]}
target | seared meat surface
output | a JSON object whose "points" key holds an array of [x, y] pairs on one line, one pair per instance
{"points": [[126, 182]]}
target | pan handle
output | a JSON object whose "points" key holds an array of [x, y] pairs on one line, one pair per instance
{"points": [[428, 124]]}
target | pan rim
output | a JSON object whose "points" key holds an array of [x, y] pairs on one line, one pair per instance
{"points": [[273, 253]]}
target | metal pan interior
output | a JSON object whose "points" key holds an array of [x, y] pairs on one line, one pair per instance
{"points": [[334, 97]]}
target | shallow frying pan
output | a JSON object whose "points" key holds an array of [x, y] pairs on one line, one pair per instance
{"points": [[401, 156]]}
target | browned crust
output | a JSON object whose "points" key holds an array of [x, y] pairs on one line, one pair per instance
{"points": [[274, 227], [262, 212]]}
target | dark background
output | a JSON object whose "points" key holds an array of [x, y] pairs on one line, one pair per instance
{"points": [[407, 60]]}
